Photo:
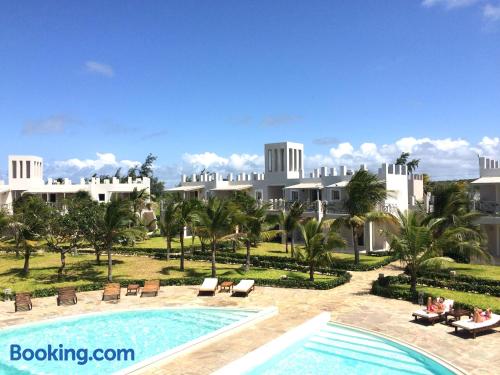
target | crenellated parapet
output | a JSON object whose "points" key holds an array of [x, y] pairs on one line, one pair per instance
{"points": [[489, 167]]}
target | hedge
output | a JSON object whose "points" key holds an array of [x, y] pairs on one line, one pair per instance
{"points": [[280, 283], [392, 291], [459, 278]]}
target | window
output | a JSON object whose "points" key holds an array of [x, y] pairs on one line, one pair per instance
{"points": [[28, 169], [282, 159], [52, 198], [276, 160], [102, 197], [295, 195], [14, 169], [290, 159], [20, 169], [294, 159], [335, 195], [269, 160], [258, 194], [300, 159]]}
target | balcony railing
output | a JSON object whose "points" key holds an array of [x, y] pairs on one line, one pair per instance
{"points": [[487, 207]]}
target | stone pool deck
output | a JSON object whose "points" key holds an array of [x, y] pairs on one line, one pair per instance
{"points": [[350, 303]]}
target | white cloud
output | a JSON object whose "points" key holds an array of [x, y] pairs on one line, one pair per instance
{"points": [[74, 168], [99, 68], [56, 124], [344, 148], [235, 163], [448, 4], [491, 12]]}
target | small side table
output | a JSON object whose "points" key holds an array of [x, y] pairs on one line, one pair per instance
{"points": [[455, 315], [226, 286], [133, 289]]}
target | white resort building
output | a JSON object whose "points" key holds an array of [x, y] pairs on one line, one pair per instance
{"points": [[323, 190], [489, 202], [26, 177]]}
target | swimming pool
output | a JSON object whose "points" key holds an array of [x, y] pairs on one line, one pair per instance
{"points": [[152, 334], [320, 347]]}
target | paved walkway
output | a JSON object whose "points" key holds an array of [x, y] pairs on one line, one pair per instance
{"points": [[350, 303]]}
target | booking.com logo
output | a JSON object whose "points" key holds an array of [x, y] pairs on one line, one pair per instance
{"points": [[58, 353]]}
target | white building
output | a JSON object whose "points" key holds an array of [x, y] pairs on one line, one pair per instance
{"points": [[26, 177], [323, 190], [489, 202]]}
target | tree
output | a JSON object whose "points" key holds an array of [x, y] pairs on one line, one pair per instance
{"points": [[416, 245], [116, 219], [137, 201], [253, 222], [364, 193], [65, 227], [146, 170], [92, 226], [168, 222], [32, 214], [288, 221], [451, 205], [185, 214], [215, 220], [411, 165], [318, 244]]}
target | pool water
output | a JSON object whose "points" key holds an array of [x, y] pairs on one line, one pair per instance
{"points": [[336, 349], [147, 332]]}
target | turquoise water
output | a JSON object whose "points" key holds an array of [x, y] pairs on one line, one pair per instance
{"points": [[147, 332], [340, 350]]}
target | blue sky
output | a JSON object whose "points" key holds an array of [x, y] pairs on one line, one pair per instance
{"points": [[98, 84]]}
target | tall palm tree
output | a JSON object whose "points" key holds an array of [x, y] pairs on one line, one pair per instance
{"points": [[185, 214], [215, 221], [288, 221], [416, 245], [116, 219], [364, 193], [137, 201], [253, 222], [320, 239], [169, 223]]}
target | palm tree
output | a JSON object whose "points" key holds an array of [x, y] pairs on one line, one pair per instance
{"points": [[32, 214], [215, 221], [168, 223], [137, 200], [416, 245], [116, 219], [320, 239], [253, 221], [185, 214], [364, 193], [288, 221]]}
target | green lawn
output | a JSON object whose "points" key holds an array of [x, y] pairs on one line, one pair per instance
{"points": [[476, 270], [276, 249], [479, 300], [83, 270]]}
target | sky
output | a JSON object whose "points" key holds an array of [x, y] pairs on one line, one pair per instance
{"points": [[96, 85]]}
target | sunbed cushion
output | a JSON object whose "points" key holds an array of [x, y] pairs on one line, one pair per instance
{"points": [[244, 286], [209, 284], [470, 325], [425, 314], [448, 304]]}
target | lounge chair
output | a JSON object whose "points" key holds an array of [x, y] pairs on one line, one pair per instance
{"points": [[474, 328], [151, 288], [209, 286], [244, 287], [432, 317], [111, 291], [23, 302], [66, 295]]}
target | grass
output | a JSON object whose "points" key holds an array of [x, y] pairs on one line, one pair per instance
{"points": [[277, 249], [475, 270], [82, 270], [479, 300]]}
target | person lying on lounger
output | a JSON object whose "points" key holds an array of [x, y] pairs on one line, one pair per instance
{"points": [[480, 315], [436, 307]]}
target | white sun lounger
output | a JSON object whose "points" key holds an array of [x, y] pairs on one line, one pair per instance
{"points": [[472, 327], [433, 317], [209, 286], [244, 287]]}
